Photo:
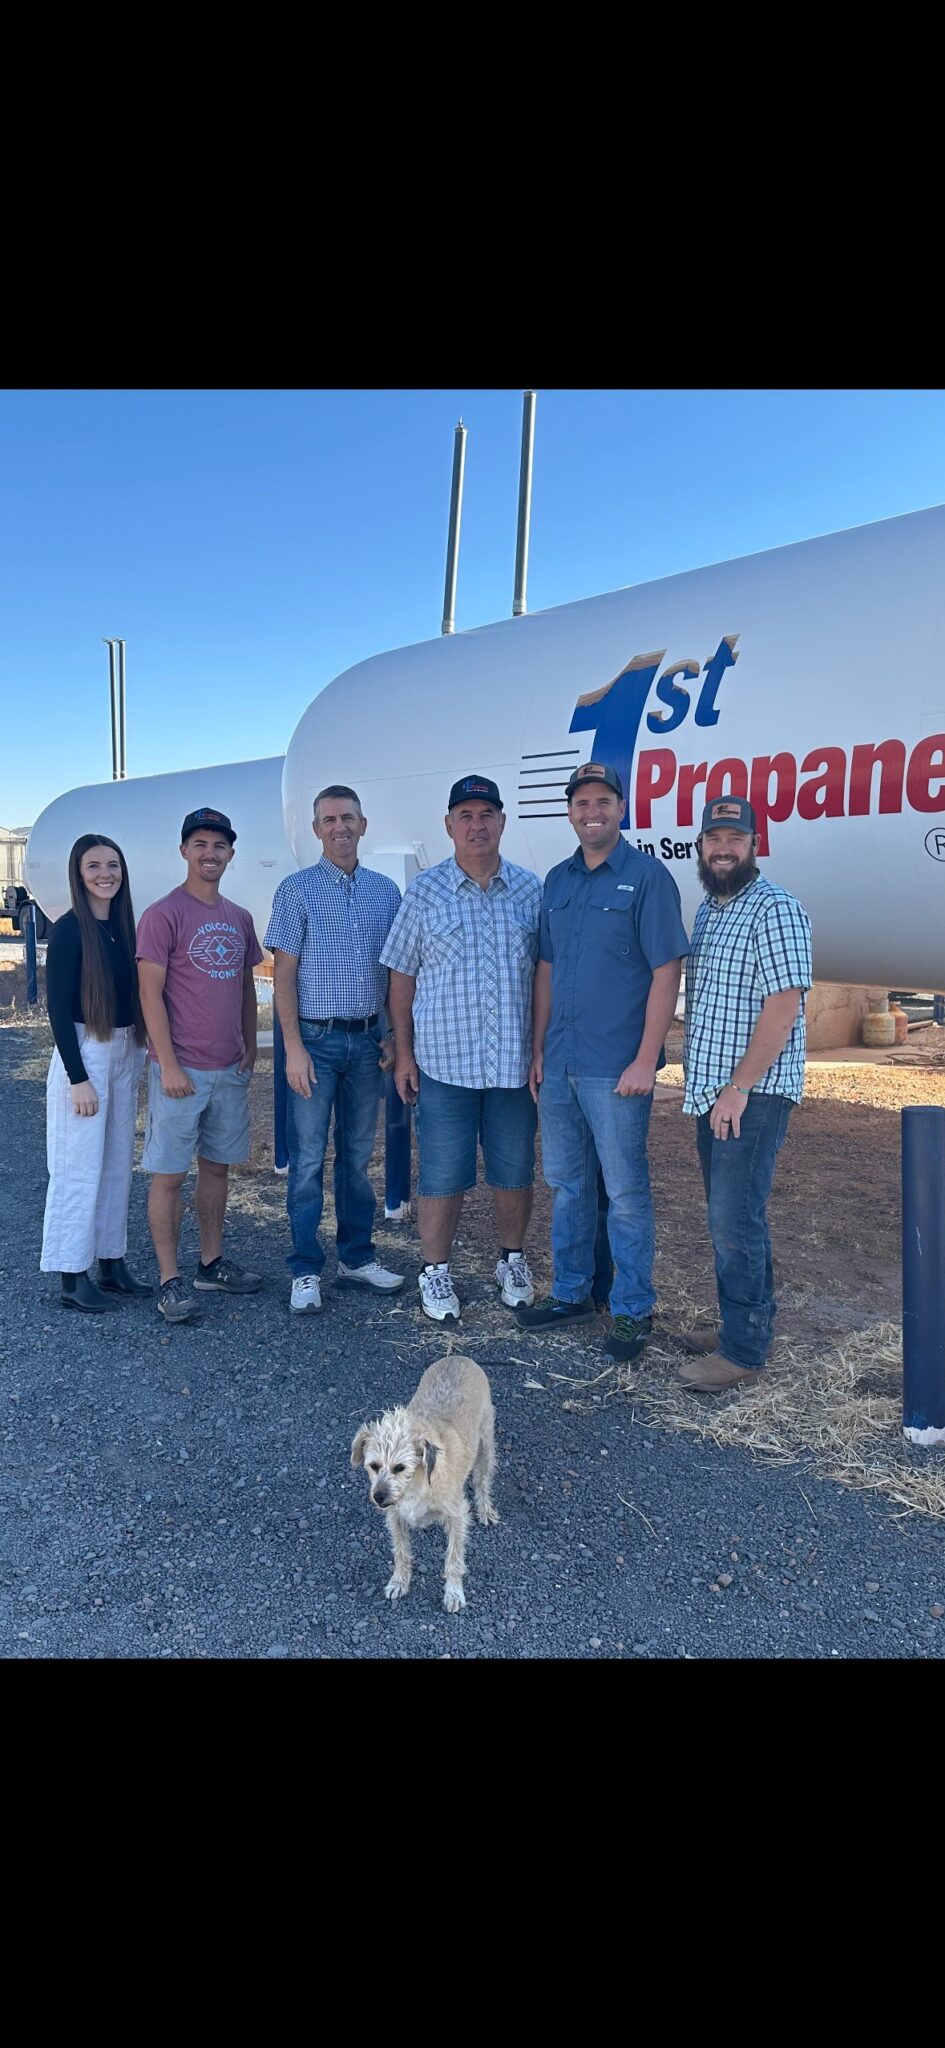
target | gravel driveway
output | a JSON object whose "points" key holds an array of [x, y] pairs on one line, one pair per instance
{"points": [[187, 1493]]}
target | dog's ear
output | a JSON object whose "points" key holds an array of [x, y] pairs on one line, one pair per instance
{"points": [[429, 1454], [357, 1448]]}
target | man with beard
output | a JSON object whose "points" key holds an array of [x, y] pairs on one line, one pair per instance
{"points": [[748, 970]]}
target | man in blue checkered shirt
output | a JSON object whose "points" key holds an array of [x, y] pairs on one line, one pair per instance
{"points": [[747, 975], [327, 929], [462, 955]]}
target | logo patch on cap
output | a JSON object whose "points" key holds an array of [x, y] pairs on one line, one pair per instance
{"points": [[726, 808], [591, 768]]}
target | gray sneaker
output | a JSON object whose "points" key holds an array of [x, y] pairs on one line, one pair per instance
{"points": [[306, 1296], [374, 1275], [175, 1304], [438, 1297], [226, 1277]]}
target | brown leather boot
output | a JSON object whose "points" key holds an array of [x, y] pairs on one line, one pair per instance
{"points": [[716, 1372], [700, 1343]]}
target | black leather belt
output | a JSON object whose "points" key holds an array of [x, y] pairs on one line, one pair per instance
{"points": [[342, 1023]]}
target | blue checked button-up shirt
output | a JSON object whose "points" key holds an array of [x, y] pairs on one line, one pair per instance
{"points": [[335, 925], [744, 948], [473, 952]]}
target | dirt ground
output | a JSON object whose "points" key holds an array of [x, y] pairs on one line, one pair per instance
{"points": [[834, 1210]]}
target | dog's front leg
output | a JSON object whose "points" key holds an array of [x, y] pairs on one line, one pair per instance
{"points": [[457, 1524], [482, 1474], [399, 1582]]}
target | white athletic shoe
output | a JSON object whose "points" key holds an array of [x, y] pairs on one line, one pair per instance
{"points": [[306, 1295], [438, 1297], [374, 1275], [515, 1280]]}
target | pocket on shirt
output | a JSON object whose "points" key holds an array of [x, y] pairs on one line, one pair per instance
{"points": [[617, 926], [444, 943], [523, 940]]}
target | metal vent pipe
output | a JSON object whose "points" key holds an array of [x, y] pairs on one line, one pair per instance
{"points": [[519, 606], [110, 644], [456, 513]]}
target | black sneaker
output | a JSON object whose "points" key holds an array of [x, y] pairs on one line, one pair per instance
{"points": [[226, 1277], [627, 1339], [175, 1304], [550, 1311]]}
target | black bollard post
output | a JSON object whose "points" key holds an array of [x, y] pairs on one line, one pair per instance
{"points": [[32, 992], [603, 1258], [397, 1124], [923, 1274], [280, 1097]]}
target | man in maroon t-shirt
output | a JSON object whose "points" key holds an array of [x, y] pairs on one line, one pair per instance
{"points": [[196, 952]]}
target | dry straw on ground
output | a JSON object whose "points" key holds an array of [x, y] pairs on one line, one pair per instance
{"points": [[837, 1412]]}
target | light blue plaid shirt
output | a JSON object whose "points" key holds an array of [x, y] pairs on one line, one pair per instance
{"points": [[473, 952], [335, 925], [744, 948]]}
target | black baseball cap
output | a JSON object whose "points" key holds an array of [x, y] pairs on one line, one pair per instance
{"points": [[734, 811], [475, 786], [195, 820], [594, 771]]}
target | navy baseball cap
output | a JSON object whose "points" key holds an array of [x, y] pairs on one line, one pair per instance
{"points": [[475, 786], [196, 820], [734, 811], [594, 771]]}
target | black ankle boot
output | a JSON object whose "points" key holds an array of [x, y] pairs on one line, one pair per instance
{"points": [[78, 1291], [114, 1278]]}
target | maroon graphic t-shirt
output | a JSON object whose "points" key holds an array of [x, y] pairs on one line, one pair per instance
{"points": [[204, 948]]}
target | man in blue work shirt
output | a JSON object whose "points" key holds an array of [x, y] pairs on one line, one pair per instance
{"points": [[610, 956]]}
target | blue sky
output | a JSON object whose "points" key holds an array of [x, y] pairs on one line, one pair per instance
{"points": [[249, 545]]}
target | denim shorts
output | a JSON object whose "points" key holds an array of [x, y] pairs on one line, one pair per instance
{"points": [[213, 1121], [453, 1122]]}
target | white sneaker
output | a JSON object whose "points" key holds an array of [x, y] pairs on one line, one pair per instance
{"points": [[438, 1296], [515, 1280], [306, 1294], [374, 1275]]}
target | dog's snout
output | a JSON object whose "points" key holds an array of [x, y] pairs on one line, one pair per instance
{"points": [[380, 1497]]}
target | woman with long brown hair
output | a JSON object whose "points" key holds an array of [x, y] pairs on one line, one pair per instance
{"points": [[92, 1087]]}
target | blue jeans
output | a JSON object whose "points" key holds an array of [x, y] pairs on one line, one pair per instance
{"points": [[349, 1081], [583, 1124], [452, 1122], [738, 1173]]}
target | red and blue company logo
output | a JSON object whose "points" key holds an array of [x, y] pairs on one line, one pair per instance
{"points": [[837, 786]]}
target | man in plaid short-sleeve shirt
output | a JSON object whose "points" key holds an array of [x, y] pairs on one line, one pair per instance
{"points": [[747, 975], [462, 952]]}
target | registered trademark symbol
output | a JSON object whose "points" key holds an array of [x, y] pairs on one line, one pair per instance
{"points": [[935, 842]]}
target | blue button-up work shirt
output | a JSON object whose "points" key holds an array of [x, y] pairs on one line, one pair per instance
{"points": [[604, 931]]}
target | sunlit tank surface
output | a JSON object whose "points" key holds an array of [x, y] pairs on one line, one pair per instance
{"points": [[145, 814], [811, 678]]}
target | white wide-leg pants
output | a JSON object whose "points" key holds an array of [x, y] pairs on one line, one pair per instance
{"points": [[90, 1157]]}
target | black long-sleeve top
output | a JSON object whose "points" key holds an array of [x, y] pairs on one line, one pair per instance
{"points": [[64, 985]]}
